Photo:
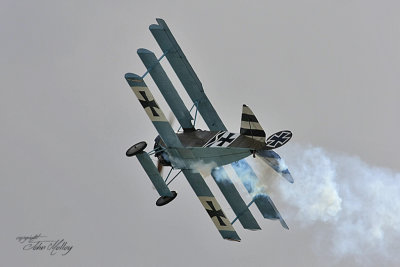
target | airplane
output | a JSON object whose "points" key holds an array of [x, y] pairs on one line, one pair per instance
{"points": [[192, 150]]}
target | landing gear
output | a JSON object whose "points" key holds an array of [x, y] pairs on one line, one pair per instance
{"points": [[136, 149], [164, 200]]}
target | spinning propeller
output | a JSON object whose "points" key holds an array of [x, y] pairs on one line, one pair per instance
{"points": [[171, 120]]}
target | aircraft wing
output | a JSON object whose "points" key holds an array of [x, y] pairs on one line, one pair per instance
{"points": [[167, 89], [234, 199], [186, 74], [153, 111], [263, 201], [211, 205]]}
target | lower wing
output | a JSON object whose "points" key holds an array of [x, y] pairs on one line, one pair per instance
{"points": [[211, 205]]}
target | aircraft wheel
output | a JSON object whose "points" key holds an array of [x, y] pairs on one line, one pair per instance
{"points": [[164, 200], [136, 149]]}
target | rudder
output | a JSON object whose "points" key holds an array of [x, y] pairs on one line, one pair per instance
{"points": [[250, 126]]}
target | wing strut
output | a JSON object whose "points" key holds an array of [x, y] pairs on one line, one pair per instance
{"points": [[240, 214]]}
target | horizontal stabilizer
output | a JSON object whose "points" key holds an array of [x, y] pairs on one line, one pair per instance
{"points": [[278, 139], [275, 162]]}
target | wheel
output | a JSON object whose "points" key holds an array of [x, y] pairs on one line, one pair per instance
{"points": [[164, 200], [136, 149]]}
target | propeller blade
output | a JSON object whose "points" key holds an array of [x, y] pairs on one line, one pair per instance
{"points": [[159, 166]]}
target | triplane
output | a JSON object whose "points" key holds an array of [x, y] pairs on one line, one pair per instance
{"points": [[190, 148]]}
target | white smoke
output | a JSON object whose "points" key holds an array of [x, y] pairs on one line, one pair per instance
{"points": [[357, 205], [203, 168], [351, 208]]}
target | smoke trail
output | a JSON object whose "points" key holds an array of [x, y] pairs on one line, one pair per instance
{"points": [[253, 185], [352, 209], [356, 205]]}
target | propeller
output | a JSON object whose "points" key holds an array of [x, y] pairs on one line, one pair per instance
{"points": [[171, 120]]}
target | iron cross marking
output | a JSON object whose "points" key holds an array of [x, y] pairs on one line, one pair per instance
{"points": [[278, 139], [217, 213], [228, 139], [147, 103], [214, 139]]}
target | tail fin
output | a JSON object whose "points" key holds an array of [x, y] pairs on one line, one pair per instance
{"points": [[250, 125]]}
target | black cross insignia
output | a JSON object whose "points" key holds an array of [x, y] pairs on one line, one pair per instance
{"points": [[278, 139], [217, 213], [147, 103], [214, 139], [226, 139]]}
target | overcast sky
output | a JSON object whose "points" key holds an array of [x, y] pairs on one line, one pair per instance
{"points": [[327, 70]]}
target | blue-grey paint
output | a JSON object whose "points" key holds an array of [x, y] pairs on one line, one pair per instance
{"points": [[273, 160], [234, 199], [263, 201], [186, 74], [153, 174], [201, 189], [163, 128], [166, 87]]}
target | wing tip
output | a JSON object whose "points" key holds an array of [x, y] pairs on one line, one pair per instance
{"points": [[230, 235], [155, 27], [132, 76], [231, 239], [160, 21], [144, 51], [134, 80]]}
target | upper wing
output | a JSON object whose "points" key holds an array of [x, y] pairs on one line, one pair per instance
{"points": [[211, 205], [152, 109], [186, 74]]}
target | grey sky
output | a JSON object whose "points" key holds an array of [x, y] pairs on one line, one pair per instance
{"points": [[327, 70]]}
